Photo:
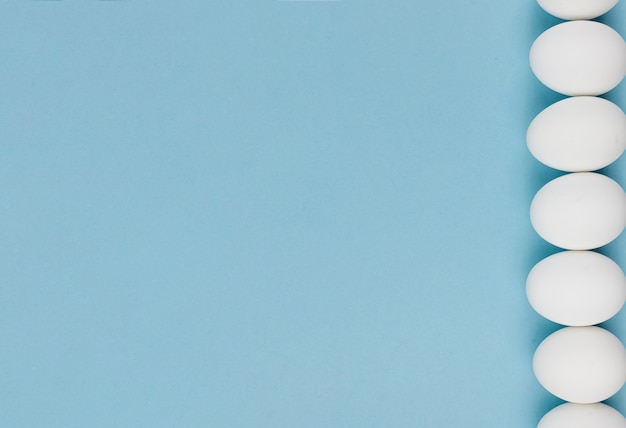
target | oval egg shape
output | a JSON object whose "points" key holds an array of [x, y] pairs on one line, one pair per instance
{"points": [[572, 415], [578, 134], [576, 288], [577, 9], [579, 58], [579, 211], [581, 364]]}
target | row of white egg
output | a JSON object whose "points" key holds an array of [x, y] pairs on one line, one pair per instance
{"points": [[580, 211]]}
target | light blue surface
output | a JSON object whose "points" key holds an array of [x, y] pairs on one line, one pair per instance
{"points": [[271, 214]]}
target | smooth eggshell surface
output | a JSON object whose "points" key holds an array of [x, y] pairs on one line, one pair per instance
{"points": [[579, 58], [579, 211], [571, 415], [581, 364], [576, 288], [577, 9], [578, 134]]}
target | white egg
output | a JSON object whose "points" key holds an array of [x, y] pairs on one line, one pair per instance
{"points": [[578, 134], [577, 9], [579, 58], [579, 211], [581, 364], [576, 288], [572, 415]]}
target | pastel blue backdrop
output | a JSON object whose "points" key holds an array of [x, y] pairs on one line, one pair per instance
{"points": [[271, 214]]}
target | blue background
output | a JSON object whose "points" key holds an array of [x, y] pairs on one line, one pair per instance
{"points": [[271, 214]]}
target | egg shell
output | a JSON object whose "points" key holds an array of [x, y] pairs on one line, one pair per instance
{"points": [[576, 288], [581, 364], [579, 58], [577, 9], [572, 415], [579, 211], [578, 134]]}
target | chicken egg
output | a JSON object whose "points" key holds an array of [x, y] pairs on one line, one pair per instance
{"points": [[576, 288], [579, 211], [571, 415], [579, 58], [578, 134], [577, 9], [581, 364]]}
